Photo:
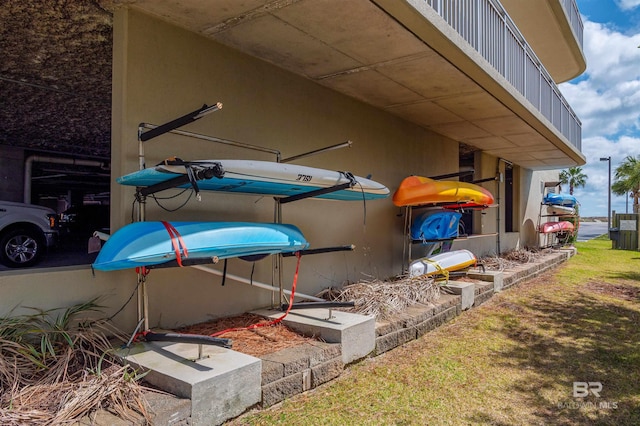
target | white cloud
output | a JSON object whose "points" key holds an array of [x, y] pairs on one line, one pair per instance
{"points": [[608, 99], [593, 197], [628, 4]]}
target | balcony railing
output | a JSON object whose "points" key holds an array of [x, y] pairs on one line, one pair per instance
{"points": [[485, 25]]}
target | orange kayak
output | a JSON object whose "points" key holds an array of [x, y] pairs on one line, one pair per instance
{"points": [[418, 190]]}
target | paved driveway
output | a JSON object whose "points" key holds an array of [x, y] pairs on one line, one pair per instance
{"points": [[590, 230]]}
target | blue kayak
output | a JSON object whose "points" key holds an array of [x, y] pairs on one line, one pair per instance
{"points": [[175, 243], [438, 225], [560, 200]]}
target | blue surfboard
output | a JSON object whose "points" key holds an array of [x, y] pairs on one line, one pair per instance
{"points": [[153, 243]]}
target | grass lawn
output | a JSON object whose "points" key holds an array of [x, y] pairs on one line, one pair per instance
{"points": [[512, 361]]}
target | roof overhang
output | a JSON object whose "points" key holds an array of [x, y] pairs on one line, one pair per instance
{"points": [[557, 46], [387, 54]]}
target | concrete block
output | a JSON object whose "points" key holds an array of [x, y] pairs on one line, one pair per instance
{"points": [[168, 409], [484, 292], [465, 290], [293, 360], [417, 313], [356, 333], [325, 372], [386, 343], [445, 302], [281, 389], [437, 321], [384, 327], [271, 371], [323, 352], [221, 385], [496, 277]]}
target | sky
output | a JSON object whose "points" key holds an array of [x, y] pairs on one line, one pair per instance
{"points": [[606, 98]]}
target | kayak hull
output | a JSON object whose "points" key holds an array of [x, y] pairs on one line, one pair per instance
{"points": [[435, 225], [560, 199], [557, 210], [418, 190], [561, 226], [150, 243], [450, 261]]}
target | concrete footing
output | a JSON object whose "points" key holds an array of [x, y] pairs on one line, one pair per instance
{"points": [[221, 385], [356, 333], [466, 291], [496, 277]]}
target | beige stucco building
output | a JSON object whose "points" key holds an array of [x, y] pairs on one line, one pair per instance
{"points": [[422, 87]]}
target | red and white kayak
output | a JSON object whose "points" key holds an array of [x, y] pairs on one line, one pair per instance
{"points": [[552, 227]]}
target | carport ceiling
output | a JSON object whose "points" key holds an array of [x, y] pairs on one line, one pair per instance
{"points": [[55, 76], [60, 83]]}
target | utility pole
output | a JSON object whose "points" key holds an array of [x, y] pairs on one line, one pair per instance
{"points": [[608, 193]]}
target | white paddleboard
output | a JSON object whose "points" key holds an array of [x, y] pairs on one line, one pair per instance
{"points": [[449, 261], [264, 178]]}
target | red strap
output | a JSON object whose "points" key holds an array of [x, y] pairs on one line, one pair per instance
{"points": [[176, 242], [142, 270], [275, 321]]}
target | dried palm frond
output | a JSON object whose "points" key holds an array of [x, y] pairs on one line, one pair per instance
{"points": [[57, 368], [62, 402], [382, 299], [511, 258]]}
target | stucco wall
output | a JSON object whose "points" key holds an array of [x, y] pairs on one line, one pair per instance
{"points": [[166, 71], [532, 194], [162, 72]]}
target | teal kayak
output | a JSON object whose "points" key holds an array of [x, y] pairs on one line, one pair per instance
{"points": [[176, 243]]}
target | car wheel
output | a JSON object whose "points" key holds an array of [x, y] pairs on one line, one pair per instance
{"points": [[20, 248]]}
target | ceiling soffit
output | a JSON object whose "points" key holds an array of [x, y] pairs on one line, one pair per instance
{"points": [[357, 49]]}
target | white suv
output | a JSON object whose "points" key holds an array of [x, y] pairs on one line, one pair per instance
{"points": [[26, 230]]}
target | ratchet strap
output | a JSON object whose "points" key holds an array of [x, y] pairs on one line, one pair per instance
{"points": [[177, 242]]}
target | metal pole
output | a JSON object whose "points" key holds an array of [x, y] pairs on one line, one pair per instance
{"points": [[346, 144], [257, 284], [609, 197], [608, 193]]}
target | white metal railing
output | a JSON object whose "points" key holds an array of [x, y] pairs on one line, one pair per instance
{"points": [[485, 25]]}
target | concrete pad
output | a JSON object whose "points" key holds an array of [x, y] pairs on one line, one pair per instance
{"points": [[221, 385], [356, 333], [492, 276], [466, 290], [569, 251]]}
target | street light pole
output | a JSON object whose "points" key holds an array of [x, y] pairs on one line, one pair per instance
{"points": [[609, 193]]}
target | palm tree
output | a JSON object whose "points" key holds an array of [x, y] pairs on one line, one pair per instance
{"points": [[628, 180], [574, 177]]}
